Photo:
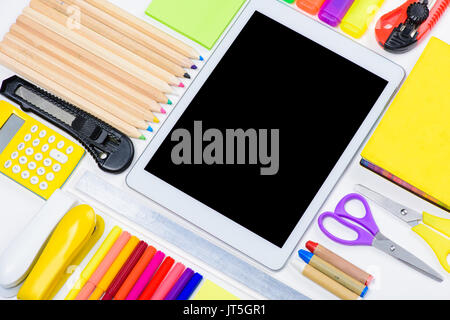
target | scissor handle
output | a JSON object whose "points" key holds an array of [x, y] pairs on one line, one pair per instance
{"points": [[437, 242], [367, 221], [364, 238]]}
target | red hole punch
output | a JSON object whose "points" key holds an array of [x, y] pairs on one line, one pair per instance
{"points": [[401, 29]]}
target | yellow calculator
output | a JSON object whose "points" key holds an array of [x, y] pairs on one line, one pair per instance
{"points": [[33, 155]]}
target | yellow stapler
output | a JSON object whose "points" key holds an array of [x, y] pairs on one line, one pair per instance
{"points": [[72, 239]]}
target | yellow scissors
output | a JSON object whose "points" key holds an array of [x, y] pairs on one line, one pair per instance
{"points": [[438, 241]]}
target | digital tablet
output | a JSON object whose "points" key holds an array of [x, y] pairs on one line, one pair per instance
{"points": [[264, 132]]}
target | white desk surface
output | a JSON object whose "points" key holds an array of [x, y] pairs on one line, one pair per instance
{"points": [[393, 280]]}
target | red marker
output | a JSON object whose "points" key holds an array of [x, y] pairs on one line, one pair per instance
{"points": [[157, 279]]}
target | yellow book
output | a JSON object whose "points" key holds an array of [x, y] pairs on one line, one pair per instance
{"points": [[411, 146]]}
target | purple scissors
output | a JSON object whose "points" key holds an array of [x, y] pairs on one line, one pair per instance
{"points": [[369, 235]]}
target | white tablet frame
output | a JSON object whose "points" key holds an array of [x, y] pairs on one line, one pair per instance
{"points": [[212, 221]]}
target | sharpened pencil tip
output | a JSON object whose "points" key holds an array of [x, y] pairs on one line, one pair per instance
{"points": [[150, 129], [187, 75], [181, 85], [142, 138], [169, 102], [201, 58], [194, 67], [163, 111], [155, 120]]}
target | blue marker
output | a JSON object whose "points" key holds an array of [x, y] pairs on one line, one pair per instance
{"points": [[190, 287]]}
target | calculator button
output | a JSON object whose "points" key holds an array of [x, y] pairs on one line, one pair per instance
{"points": [[25, 175], [34, 180], [50, 176], [51, 139], [8, 164], [45, 148], [42, 134], [60, 144], [43, 185], [34, 129], [21, 146], [32, 165], [69, 150], [47, 162], [23, 160], [58, 156], [38, 157], [56, 167], [36, 142], [40, 171], [14, 155], [29, 151], [27, 137], [16, 169]]}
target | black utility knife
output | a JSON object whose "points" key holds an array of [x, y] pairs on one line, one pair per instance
{"points": [[112, 150]]}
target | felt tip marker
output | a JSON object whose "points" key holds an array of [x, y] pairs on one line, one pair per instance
{"points": [[333, 273]]}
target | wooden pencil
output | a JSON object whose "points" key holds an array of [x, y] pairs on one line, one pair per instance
{"points": [[98, 62], [58, 76], [106, 43], [119, 38], [78, 77], [132, 33], [51, 48], [97, 49], [145, 28], [60, 91]]}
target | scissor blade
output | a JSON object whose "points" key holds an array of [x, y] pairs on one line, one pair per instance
{"points": [[384, 244], [406, 214]]}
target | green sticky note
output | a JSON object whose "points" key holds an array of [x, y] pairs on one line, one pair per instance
{"points": [[203, 21]]}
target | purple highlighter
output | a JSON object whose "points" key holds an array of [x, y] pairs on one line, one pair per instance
{"points": [[333, 11]]}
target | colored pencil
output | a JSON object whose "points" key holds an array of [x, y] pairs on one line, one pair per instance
{"points": [[157, 279], [97, 49], [104, 266], [97, 62], [135, 274], [57, 75], [110, 99], [146, 28], [114, 269], [94, 262], [85, 30], [119, 38], [190, 287], [45, 45], [180, 285], [125, 271], [146, 276], [168, 282], [132, 33], [60, 91]]}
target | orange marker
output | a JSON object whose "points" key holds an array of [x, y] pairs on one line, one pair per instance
{"points": [[310, 6], [135, 274]]}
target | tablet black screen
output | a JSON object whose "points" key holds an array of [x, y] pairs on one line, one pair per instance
{"points": [[283, 90]]}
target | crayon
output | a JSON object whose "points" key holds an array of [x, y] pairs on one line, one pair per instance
{"points": [[333, 273], [339, 262]]}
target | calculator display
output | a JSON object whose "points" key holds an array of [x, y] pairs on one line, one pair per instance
{"points": [[9, 130]]}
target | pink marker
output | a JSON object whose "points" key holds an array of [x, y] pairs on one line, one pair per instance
{"points": [[146, 276], [104, 266], [168, 282]]}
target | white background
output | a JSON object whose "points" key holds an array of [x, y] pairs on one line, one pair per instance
{"points": [[393, 280]]}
